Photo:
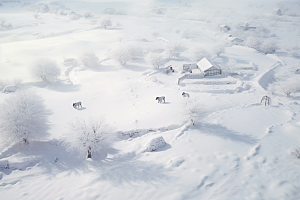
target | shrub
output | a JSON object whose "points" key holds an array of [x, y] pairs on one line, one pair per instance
{"points": [[154, 59], [105, 23], [174, 49], [89, 59], [124, 53], [269, 46], [88, 137], [23, 117], [45, 69], [199, 53], [192, 111]]}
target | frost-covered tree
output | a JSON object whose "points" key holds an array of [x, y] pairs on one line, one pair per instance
{"points": [[45, 69], [174, 49], [293, 50], [154, 59], [253, 42], [218, 49], [192, 111], [88, 136], [89, 59], [199, 53], [269, 46], [289, 86], [125, 53], [105, 23], [23, 117]]}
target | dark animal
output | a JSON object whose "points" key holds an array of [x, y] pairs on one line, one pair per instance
{"points": [[185, 94], [266, 99], [160, 99], [77, 104]]}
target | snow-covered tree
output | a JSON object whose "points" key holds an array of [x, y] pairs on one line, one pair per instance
{"points": [[293, 50], [45, 69], [192, 111], [269, 46], [88, 136], [89, 59], [125, 53], [218, 49], [174, 49], [105, 23], [23, 117], [253, 42], [289, 86], [154, 59], [199, 53]]}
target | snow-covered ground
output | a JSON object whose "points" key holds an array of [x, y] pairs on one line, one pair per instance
{"points": [[239, 149]]}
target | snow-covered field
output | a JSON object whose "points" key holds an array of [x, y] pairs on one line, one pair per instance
{"points": [[238, 148]]}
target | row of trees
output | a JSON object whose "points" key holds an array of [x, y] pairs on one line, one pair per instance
{"points": [[24, 117], [286, 86]]}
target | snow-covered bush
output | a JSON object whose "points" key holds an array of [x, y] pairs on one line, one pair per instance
{"points": [[88, 137], [218, 49], [36, 15], [289, 86], [269, 46], [154, 143], [253, 42], [4, 24], [89, 59], [125, 53], [199, 53], [74, 16], [87, 15], [23, 117], [44, 8], [105, 23], [16, 82], [154, 59], [293, 50], [230, 67], [174, 49], [45, 69], [192, 111]]}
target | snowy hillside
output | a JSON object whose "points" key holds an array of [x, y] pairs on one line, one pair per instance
{"points": [[156, 122]]}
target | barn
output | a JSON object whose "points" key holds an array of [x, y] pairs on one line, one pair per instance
{"points": [[208, 68]]}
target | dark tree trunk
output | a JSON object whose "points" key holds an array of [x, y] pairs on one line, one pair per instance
{"points": [[25, 141], [89, 154]]}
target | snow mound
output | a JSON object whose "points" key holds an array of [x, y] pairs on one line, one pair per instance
{"points": [[253, 152], [154, 144]]}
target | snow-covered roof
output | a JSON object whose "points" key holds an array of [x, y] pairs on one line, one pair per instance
{"points": [[253, 24], [204, 64]]}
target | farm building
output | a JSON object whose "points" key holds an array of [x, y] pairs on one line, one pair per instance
{"points": [[208, 68]]}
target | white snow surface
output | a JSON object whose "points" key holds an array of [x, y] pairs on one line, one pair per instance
{"points": [[239, 150]]}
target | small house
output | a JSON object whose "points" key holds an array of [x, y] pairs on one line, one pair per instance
{"points": [[224, 28], [208, 68]]}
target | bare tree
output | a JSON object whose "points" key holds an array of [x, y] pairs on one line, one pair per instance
{"points": [[45, 69], [88, 136], [23, 117], [154, 59]]}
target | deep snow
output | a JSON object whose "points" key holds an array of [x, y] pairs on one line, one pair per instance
{"points": [[240, 148]]}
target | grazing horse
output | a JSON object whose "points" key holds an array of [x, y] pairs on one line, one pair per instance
{"points": [[77, 104], [160, 99], [184, 94]]}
